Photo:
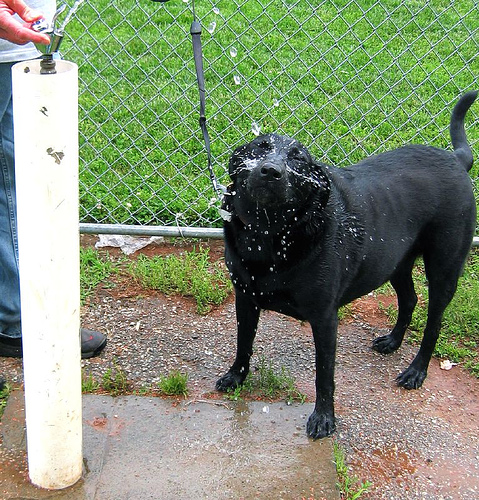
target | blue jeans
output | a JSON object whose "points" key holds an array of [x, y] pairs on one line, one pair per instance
{"points": [[9, 279]]}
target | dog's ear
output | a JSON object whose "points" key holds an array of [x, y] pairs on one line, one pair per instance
{"points": [[324, 186], [314, 215], [235, 160]]}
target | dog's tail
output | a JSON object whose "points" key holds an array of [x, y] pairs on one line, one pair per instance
{"points": [[462, 150]]}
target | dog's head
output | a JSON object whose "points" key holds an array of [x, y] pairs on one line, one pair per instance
{"points": [[275, 173]]}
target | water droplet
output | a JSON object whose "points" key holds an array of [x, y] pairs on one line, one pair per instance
{"points": [[211, 27], [255, 128], [215, 10], [233, 52], [275, 103], [237, 79]]}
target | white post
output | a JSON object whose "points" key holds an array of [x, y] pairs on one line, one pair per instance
{"points": [[46, 169]]}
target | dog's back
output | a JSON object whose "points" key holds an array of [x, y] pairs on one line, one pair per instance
{"points": [[411, 201]]}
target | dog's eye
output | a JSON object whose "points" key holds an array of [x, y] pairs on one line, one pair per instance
{"points": [[297, 154], [265, 146]]}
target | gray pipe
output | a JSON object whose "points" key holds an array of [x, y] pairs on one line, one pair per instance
{"points": [[187, 232], [171, 231]]}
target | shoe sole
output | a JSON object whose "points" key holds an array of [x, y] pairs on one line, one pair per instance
{"points": [[96, 352]]}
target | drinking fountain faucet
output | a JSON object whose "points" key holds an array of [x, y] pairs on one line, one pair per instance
{"points": [[55, 33]]}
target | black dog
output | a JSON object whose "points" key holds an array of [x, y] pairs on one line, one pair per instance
{"points": [[305, 238]]}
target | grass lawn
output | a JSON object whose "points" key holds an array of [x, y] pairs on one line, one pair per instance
{"points": [[346, 78]]}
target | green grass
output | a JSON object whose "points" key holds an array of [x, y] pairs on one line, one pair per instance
{"points": [[4, 393], [114, 381], [350, 487], [190, 274], [174, 384], [266, 383], [346, 78], [94, 269], [89, 384]]}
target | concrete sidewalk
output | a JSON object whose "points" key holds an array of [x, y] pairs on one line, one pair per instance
{"points": [[140, 448]]}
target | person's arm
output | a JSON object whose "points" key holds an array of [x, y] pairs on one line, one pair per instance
{"points": [[14, 31]]}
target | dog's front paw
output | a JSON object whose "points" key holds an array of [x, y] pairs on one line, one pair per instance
{"points": [[386, 344], [411, 378], [320, 425], [229, 381]]}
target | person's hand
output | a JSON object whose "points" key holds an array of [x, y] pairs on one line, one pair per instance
{"points": [[14, 31]]}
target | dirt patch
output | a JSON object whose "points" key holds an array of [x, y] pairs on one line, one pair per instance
{"points": [[371, 309], [410, 444]]}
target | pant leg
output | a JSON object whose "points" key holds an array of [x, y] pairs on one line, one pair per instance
{"points": [[9, 278]]}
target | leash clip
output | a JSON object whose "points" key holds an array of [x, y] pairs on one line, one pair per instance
{"points": [[225, 215]]}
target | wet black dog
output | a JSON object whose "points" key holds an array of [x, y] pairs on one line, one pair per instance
{"points": [[305, 238]]}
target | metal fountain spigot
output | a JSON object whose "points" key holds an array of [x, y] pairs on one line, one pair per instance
{"points": [[56, 36], [55, 33]]}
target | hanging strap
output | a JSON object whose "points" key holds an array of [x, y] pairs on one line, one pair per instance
{"points": [[220, 190]]}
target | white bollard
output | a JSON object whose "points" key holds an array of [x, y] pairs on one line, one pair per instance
{"points": [[46, 170]]}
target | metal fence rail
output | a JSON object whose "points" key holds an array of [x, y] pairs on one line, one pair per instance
{"points": [[347, 78]]}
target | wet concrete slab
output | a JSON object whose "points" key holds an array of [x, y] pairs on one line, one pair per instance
{"points": [[150, 448]]}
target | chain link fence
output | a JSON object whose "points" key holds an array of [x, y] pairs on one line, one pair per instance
{"points": [[347, 78]]}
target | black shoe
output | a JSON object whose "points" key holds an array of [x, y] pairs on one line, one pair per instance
{"points": [[10, 347], [92, 343]]}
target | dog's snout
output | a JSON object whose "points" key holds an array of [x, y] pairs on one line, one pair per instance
{"points": [[271, 171]]}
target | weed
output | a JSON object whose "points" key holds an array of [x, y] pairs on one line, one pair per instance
{"points": [[190, 274], [345, 312], [266, 383], [174, 384], [144, 390], [350, 487], [4, 394], [235, 394], [89, 384], [94, 269], [115, 381]]}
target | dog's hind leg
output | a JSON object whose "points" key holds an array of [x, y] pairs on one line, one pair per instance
{"points": [[247, 315], [407, 299], [442, 274]]}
